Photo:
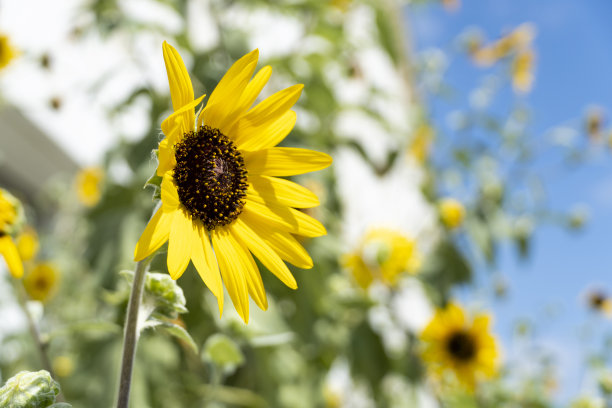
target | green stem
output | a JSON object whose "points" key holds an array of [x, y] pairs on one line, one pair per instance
{"points": [[131, 335], [41, 344]]}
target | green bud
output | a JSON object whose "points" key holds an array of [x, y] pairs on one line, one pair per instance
{"points": [[162, 293], [29, 390]]}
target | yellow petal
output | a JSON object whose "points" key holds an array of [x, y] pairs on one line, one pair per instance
{"points": [[181, 89], [277, 191], [268, 134], [166, 158], [154, 235], [226, 96], [179, 244], [183, 117], [250, 270], [287, 247], [285, 161], [286, 219], [233, 277], [263, 252], [253, 88], [8, 250], [169, 194], [205, 262], [272, 107]]}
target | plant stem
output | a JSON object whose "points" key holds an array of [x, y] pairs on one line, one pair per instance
{"points": [[41, 344], [132, 332]]}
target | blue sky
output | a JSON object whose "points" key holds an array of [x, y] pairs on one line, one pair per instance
{"points": [[574, 67]]}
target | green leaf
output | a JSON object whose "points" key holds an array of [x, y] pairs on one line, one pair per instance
{"points": [[173, 330], [223, 352]]}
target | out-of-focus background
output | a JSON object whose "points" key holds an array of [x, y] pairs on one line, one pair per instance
{"points": [[472, 165]]}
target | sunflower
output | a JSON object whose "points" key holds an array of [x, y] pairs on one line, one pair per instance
{"points": [[383, 254], [41, 282], [88, 187], [465, 348], [222, 200], [452, 212]]}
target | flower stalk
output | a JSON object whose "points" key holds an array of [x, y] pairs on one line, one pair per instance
{"points": [[132, 333]]}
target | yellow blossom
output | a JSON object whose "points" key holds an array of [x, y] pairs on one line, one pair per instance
{"points": [[9, 219], [223, 196], [27, 244], [452, 212], [522, 71], [41, 282], [384, 255], [88, 185], [454, 344], [421, 142], [63, 366]]}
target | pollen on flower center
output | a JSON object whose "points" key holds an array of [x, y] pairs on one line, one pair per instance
{"points": [[210, 177], [461, 346]]}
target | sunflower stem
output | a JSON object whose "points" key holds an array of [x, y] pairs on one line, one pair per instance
{"points": [[132, 333]]}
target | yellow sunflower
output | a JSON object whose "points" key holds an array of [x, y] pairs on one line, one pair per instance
{"points": [[7, 51], [466, 348], [452, 212], [41, 282], [383, 254], [9, 217], [221, 183], [88, 185]]}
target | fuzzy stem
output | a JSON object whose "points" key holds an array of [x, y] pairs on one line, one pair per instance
{"points": [[41, 344], [132, 332]]}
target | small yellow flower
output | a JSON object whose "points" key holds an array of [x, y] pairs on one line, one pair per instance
{"points": [[421, 142], [41, 282], [63, 366], [452, 212], [465, 348], [9, 218], [384, 255], [88, 185], [223, 198], [522, 71], [7, 51], [27, 244], [517, 41]]}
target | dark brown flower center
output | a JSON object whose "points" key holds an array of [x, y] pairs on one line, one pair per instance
{"points": [[461, 345], [210, 177]]}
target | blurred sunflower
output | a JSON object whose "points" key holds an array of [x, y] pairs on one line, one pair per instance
{"points": [[28, 244], [465, 348], [452, 212], [9, 218], [7, 51], [41, 281], [220, 178], [383, 254], [88, 185]]}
